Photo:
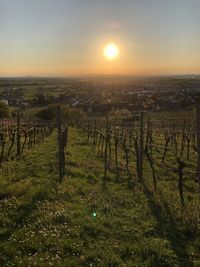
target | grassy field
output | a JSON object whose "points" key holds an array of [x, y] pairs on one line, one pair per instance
{"points": [[78, 223]]}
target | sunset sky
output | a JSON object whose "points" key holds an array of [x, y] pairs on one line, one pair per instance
{"points": [[67, 37]]}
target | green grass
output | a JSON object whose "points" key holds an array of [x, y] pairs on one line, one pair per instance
{"points": [[44, 223]]}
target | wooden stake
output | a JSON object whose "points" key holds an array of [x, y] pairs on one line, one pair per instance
{"points": [[141, 146], [106, 154], [198, 141], [18, 134], [59, 125], [181, 166]]}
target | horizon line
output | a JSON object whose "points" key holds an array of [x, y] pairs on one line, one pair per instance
{"points": [[98, 75]]}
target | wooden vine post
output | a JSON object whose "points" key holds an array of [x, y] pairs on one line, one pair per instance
{"points": [[18, 134], [183, 138], [147, 135], [198, 141], [181, 166], [2, 142], [141, 146], [106, 154], [60, 145], [116, 142]]}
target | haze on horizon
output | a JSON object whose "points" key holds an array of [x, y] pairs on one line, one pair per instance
{"points": [[67, 37]]}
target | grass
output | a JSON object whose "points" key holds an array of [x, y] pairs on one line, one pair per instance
{"points": [[77, 223]]}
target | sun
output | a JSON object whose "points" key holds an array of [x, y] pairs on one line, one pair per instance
{"points": [[111, 51]]}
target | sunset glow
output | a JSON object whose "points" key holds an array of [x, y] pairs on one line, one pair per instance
{"points": [[99, 37]]}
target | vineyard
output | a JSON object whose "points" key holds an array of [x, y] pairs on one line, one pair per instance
{"points": [[19, 136], [154, 146], [100, 192]]}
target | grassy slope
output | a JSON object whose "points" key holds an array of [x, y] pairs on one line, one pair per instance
{"points": [[43, 223]]}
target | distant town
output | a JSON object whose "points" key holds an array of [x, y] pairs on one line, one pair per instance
{"points": [[94, 95]]}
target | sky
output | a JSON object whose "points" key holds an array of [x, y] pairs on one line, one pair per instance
{"points": [[67, 37]]}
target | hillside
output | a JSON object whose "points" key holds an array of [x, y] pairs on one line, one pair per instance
{"points": [[80, 223]]}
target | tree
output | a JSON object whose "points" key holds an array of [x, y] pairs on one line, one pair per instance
{"points": [[70, 114], [73, 114], [4, 110], [41, 100], [120, 113], [48, 113]]}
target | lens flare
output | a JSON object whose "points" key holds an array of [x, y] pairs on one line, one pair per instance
{"points": [[94, 214]]}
